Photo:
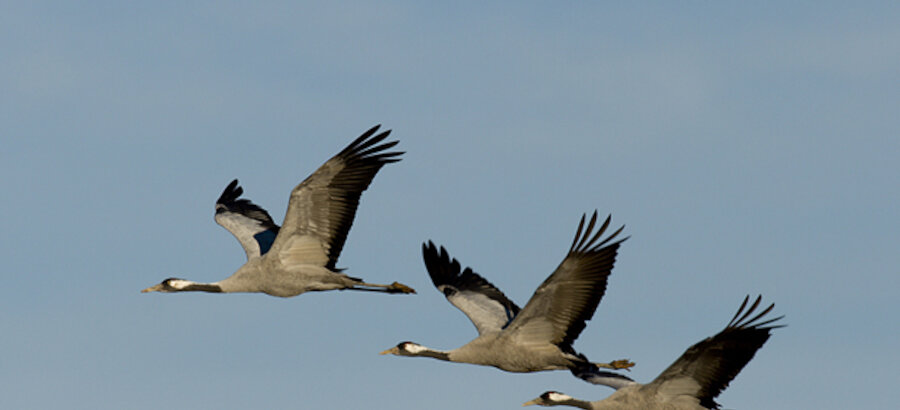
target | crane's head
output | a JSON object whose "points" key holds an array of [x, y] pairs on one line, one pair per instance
{"points": [[550, 398], [406, 349], [169, 285]]}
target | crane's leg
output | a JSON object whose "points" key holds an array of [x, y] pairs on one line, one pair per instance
{"points": [[395, 287], [617, 364]]}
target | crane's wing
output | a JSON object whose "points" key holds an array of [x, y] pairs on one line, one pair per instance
{"points": [[485, 305], [250, 224], [559, 308], [321, 209], [706, 368]]}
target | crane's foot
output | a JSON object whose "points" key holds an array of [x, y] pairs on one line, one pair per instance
{"points": [[398, 287], [617, 364]]}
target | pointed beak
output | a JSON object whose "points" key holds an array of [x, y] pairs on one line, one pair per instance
{"points": [[154, 288], [392, 350], [530, 403]]}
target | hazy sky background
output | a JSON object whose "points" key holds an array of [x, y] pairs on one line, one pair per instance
{"points": [[748, 149]]}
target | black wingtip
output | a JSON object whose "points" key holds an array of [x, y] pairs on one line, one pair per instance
{"points": [[230, 201], [438, 263], [428, 248], [232, 191], [369, 147], [369, 132], [742, 318], [586, 239]]}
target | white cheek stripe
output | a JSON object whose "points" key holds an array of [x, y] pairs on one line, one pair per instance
{"points": [[414, 348], [558, 397], [180, 283]]}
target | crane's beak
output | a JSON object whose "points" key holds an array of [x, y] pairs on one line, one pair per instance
{"points": [[530, 403], [393, 350], [154, 288]]}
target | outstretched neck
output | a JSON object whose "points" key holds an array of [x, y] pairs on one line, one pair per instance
{"points": [[181, 285], [432, 353], [411, 349], [577, 403], [203, 287]]}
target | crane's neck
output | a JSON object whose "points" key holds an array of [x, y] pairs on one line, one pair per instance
{"points": [[204, 287], [576, 403], [181, 285], [417, 350], [434, 354]]}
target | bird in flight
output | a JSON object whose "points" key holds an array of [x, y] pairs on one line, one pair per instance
{"points": [[300, 256], [696, 378], [540, 335]]}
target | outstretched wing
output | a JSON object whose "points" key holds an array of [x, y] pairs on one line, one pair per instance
{"points": [[321, 209], [485, 305], [706, 368], [559, 308], [250, 224]]}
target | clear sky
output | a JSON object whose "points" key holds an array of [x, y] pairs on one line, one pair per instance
{"points": [[747, 149]]}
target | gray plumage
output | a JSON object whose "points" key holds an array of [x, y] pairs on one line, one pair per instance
{"points": [[697, 377], [540, 335], [300, 256], [250, 224]]}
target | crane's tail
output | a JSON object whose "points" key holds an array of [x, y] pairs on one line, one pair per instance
{"points": [[590, 373]]}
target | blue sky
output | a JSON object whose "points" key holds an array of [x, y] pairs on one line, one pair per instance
{"points": [[747, 149]]}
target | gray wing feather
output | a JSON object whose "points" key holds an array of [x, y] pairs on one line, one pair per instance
{"points": [[485, 305], [561, 305], [706, 368], [322, 207], [249, 223]]}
